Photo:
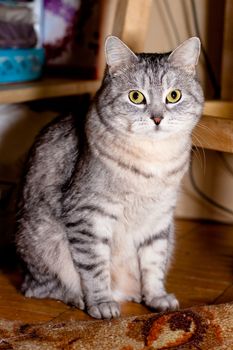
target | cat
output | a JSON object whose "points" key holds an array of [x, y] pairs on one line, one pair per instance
{"points": [[95, 220]]}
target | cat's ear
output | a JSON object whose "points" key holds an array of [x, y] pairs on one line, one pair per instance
{"points": [[186, 55], [118, 54]]}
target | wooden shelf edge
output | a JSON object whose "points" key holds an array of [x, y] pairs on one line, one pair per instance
{"points": [[215, 129], [214, 133], [218, 108], [46, 88]]}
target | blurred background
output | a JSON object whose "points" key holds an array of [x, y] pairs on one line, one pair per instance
{"points": [[50, 39]]}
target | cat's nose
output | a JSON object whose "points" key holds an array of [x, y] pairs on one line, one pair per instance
{"points": [[157, 120]]}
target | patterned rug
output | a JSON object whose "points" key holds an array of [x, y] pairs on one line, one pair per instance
{"points": [[205, 327]]}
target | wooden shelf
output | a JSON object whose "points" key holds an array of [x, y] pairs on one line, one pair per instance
{"points": [[215, 129], [46, 88]]}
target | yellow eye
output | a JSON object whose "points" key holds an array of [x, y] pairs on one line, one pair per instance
{"points": [[137, 97], [173, 96]]}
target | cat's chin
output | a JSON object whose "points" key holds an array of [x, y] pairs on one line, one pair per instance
{"points": [[160, 132], [154, 134], [170, 130], [167, 134], [150, 131]]}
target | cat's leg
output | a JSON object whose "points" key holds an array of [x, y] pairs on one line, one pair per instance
{"points": [[49, 286], [44, 247], [44, 286], [91, 248], [154, 256]]}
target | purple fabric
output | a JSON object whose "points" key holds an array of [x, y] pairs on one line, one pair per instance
{"points": [[61, 8], [17, 35]]}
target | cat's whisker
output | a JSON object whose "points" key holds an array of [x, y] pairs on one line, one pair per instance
{"points": [[201, 138], [196, 153], [206, 128], [201, 160], [200, 148]]}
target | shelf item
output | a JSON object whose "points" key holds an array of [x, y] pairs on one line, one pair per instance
{"points": [[18, 65], [46, 88]]}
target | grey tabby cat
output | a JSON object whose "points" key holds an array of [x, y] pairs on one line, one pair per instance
{"points": [[96, 213]]}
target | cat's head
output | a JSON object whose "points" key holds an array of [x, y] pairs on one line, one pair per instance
{"points": [[151, 94]]}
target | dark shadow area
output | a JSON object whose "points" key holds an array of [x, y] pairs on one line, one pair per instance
{"points": [[214, 46], [10, 264], [9, 185]]}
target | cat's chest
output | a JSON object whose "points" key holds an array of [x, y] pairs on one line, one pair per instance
{"points": [[145, 211]]}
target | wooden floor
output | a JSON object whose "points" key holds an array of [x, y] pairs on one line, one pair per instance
{"points": [[202, 273]]}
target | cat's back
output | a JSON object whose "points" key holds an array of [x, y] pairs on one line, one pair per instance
{"points": [[52, 157]]}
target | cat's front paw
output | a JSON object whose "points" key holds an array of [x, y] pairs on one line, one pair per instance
{"points": [[75, 300], [79, 303], [164, 303], [108, 310]]}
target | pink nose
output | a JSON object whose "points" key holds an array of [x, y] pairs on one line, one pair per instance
{"points": [[157, 120]]}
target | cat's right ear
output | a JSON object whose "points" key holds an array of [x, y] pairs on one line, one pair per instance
{"points": [[186, 55], [118, 54]]}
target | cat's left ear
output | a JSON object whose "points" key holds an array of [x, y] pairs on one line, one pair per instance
{"points": [[186, 55], [118, 54]]}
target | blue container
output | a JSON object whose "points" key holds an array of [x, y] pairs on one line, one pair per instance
{"points": [[18, 65]]}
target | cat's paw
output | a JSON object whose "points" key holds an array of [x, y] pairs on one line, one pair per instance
{"points": [[107, 310], [76, 301], [79, 303], [164, 303]]}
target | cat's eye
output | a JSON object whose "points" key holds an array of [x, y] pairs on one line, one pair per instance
{"points": [[137, 97], [173, 96]]}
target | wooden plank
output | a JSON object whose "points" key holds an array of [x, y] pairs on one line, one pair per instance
{"points": [[203, 270], [214, 133], [225, 296], [221, 109], [215, 129], [46, 88]]}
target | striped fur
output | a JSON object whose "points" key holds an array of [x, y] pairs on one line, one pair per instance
{"points": [[96, 209]]}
